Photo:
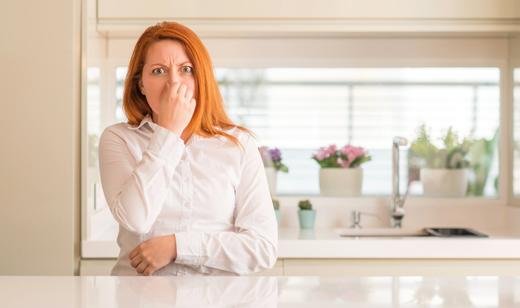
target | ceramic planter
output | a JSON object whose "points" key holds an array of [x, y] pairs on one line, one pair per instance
{"points": [[270, 172], [439, 183], [278, 215], [341, 182], [307, 218]]}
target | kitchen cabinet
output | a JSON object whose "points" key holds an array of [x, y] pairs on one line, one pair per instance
{"points": [[119, 18], [362, 267], [104, 267]]}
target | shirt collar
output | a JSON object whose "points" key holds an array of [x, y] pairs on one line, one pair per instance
{"points": [[148, 120]]}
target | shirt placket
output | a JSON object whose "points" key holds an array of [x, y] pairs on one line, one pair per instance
{"points": [[187, 197]]}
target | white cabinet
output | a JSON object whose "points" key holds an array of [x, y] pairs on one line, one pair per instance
{"points": [[307, 9], [104, 267], [120, 18], [361, 267]]}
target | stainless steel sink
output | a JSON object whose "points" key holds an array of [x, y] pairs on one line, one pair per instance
{"points": [[408, 232], [454, 232]]}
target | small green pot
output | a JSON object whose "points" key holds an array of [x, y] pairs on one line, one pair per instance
{"points": [[277, 213], [307, 218]]}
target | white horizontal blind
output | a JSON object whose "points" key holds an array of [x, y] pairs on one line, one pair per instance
{"points": [[299, 110]]}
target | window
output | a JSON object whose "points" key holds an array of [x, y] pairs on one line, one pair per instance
{"points": [[299, 110]]}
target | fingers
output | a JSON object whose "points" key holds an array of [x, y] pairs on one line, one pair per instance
{"points": [[136, 261], [148, 271], [181, 90], [188, 94], [193, 104], [142, 267], [134, 252], [175, 87]]}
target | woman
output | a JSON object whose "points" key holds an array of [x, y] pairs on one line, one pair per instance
{"points": [[185, 184]]}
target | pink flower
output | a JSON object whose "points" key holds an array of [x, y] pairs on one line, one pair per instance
{"points": [[345, 164], [352, 152], [322, 154], [332, 149]]}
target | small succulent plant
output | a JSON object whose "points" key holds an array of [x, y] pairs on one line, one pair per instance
{"points": [[305, 205], [276, 204]]}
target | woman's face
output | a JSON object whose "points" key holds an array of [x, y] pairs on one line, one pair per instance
{"points": [[166, 62]]}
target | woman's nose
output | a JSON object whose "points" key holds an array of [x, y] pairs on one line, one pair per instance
{"points": [[174, 77]]}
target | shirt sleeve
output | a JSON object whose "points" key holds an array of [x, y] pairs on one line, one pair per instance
{"points": [[135, 191], [253, 246]]}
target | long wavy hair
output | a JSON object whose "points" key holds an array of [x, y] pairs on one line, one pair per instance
{"points": [[209, 117]]}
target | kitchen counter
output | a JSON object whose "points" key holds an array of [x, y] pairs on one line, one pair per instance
{"points": [[130, 292], [324, 242]]}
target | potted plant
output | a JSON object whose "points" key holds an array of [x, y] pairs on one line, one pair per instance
{"points": [[276, 205], [306, 214], [443, 172], [272, 163], [340, 172]]}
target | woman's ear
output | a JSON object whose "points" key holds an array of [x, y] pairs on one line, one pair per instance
{"points": [[141, 87]]}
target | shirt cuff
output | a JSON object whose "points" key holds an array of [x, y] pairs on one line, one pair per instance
{"points": [[189, 248], [166, 145]]}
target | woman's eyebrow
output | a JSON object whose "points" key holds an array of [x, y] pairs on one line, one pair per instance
{"points": [[162, 64]]}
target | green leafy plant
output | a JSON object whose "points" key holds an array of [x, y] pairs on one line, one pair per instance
{"points": [[454, 155], [481, 155], [305, 205], [276, 204]]}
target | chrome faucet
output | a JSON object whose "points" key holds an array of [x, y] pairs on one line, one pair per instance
{"points": [[397, 202], [355, 217]]}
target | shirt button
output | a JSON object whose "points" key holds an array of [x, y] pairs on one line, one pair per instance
{"points": [[187, 204], [183, 228], [186, 180]]}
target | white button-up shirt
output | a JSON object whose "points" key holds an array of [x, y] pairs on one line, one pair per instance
{"points": [[210, 193]]}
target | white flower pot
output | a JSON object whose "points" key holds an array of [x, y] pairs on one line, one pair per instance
{"points": [[452, 183], [270, 172], [341, 182]]}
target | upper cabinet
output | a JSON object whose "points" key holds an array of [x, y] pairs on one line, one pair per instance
{"points": [[210, 17]]}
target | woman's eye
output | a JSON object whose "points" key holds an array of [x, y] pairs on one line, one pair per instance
{"points": [[158, 71], [187, 69]]}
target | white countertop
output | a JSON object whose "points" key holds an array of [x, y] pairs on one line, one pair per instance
{"points": [[326, 243], [130, 292]]}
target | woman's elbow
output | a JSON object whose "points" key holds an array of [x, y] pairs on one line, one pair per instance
{"points": [[267, 259], [136, 226]]}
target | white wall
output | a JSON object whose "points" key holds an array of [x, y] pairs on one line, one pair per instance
{"points": [[39, 135]]}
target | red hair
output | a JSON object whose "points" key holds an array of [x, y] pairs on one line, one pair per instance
{"points": [[209, 116]]}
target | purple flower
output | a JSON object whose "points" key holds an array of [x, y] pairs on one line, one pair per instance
{"points": [[273, 158], [276, 155]]}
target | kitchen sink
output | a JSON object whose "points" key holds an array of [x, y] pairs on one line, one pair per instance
{"points": [[454, 232], [380, 232], [408, 232]]}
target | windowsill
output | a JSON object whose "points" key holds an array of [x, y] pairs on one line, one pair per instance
{"points": [[317, 200]]}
